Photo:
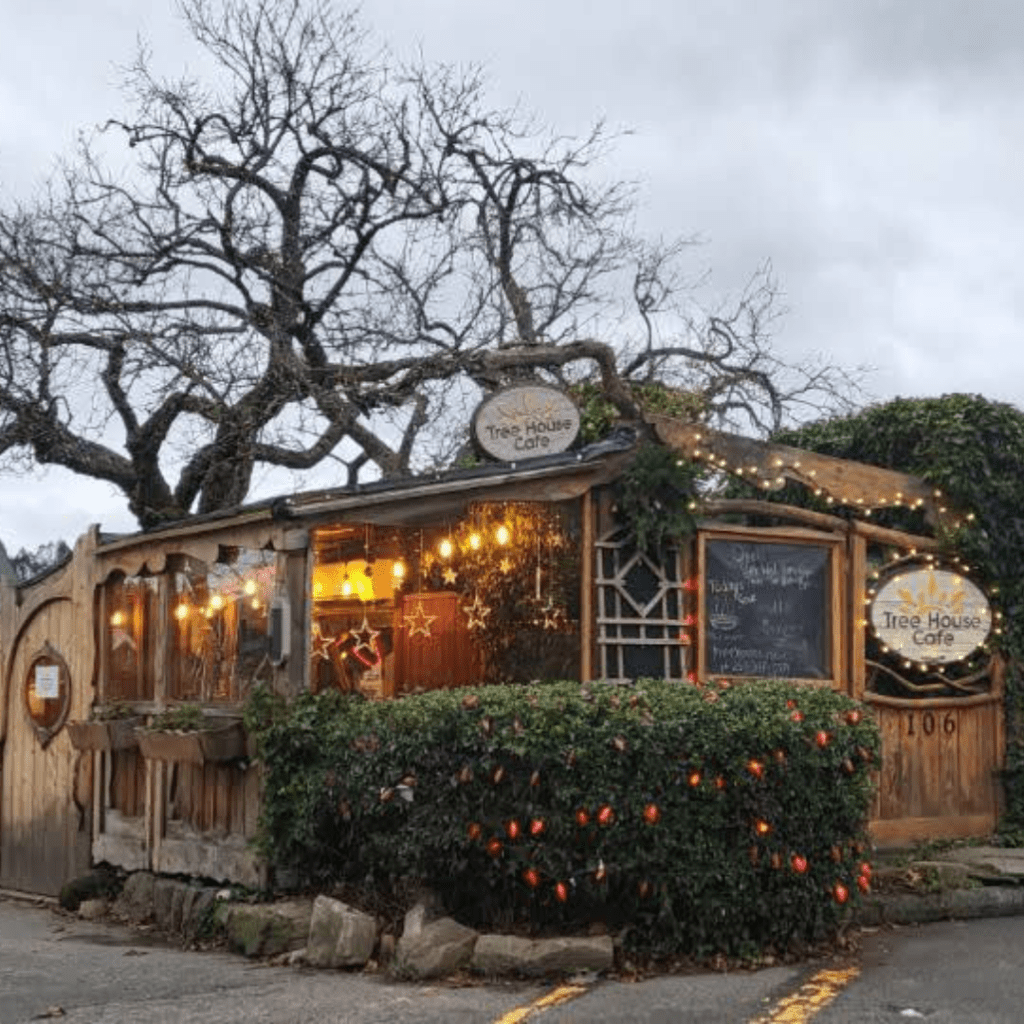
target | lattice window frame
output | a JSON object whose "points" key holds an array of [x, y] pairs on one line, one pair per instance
{"points": [[658, 622]]}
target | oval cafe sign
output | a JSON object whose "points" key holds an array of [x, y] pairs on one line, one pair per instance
{"points": [[931, 616], [526, 422]]}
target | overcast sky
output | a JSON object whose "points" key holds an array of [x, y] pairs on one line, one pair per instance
{"points": [[870, 149]]}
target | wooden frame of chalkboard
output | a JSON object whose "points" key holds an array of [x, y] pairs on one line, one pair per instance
{"points": [[770, 605]]}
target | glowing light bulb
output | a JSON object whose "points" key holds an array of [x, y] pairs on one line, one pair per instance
{"points": [[117, 619], [181, 612], [250, 587], [503, 535], [398, 570], [445, 548], [474, 541], [346, 587], [216, 602]]}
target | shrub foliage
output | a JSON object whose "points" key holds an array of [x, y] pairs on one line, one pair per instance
{"points": [[699, 819]]}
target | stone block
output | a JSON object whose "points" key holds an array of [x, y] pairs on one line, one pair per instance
{"points": [[511, 954], [339, 936], [441, 947]]}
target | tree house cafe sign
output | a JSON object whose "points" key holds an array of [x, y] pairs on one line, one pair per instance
{"points": [[931, 616], [526, 422]]}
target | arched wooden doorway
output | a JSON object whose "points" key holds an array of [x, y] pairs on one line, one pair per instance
{"points": [[45, 783]]}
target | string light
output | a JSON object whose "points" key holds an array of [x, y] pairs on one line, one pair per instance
{"points": [[181, 612], [117, 619]]}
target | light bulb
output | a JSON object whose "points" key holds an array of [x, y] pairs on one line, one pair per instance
{"points": [[398, 570], [474, 541], [181, 612], [445, 548], [503, 535]]}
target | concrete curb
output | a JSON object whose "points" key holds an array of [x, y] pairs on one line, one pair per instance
{"points": [[914, 908]]}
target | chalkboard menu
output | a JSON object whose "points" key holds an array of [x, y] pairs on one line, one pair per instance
{"points": [[767, 609]]}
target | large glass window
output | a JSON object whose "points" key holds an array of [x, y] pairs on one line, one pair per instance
{"points": [[219, 618], [491, 595]]}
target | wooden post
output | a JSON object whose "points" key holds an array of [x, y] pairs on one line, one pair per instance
{"points": [[587, 557], [856, 563]]}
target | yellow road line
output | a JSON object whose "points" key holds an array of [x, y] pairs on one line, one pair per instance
{"points": [[556, 996], [814, 995]]}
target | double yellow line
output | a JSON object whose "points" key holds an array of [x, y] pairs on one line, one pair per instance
{"points": [[814, 995], [555, 997], [811, 997]]}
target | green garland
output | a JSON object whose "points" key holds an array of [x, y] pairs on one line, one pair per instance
{"points": [[655, 497]]}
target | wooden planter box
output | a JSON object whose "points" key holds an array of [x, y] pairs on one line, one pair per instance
{"points": [[113, 734], [216, 743]]}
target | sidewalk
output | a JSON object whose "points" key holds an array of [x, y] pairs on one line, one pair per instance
{"points": [[933, 883]]}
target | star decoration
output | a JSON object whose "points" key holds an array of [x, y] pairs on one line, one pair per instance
{"points": [[364, 638], [552, 615], [419, 622], [450, 576], [476, 613], [505, 565], [321, 643]]}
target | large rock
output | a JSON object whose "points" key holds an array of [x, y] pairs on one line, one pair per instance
{"points": [[266, 929], [196, 912], [135, 904], [168, 900], [510, 954], [428, 907], [439, 948], [339, 936]]}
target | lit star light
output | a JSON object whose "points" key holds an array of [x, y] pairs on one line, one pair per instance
{"points": [[321, 643], [419, 622], [364, 638], [476, 613], [450, 576]]}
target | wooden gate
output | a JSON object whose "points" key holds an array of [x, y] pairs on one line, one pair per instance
{"points": [[45, 784], [941, 756]]}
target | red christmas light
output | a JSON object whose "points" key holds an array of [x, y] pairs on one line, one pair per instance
{"points": [[512, 829], [536, 827], [651, 814], [531, 878], [606, 815], [494, 847], [756, 769], [582, 818], [561, 892]]}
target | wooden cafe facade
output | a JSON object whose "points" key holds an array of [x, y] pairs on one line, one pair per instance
{"points": [[516, 569]]}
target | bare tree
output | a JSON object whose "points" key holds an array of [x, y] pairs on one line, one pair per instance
{"points": [[318, 255]]}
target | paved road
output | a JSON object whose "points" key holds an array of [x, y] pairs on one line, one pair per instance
{"points": [[95, 973]]}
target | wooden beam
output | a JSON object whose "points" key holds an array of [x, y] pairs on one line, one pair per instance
{"points": [[769, 466]]}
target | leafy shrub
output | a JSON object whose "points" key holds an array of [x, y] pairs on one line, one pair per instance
{"points": [[703, 819]]}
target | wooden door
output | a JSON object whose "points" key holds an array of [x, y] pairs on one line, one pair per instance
{"points": [[46, 795]]}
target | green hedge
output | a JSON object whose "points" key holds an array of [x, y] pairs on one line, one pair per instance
{"points": [[719, 819]]}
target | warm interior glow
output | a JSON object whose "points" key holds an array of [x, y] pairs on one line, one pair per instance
{"points": [[217, 602], [181, 612], [398, 570], [117, 619], [474, 541], [445, 548], [250, 587], [503, 535]]}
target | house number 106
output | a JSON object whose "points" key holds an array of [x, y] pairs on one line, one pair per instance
{"points": [[928, 723]]}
